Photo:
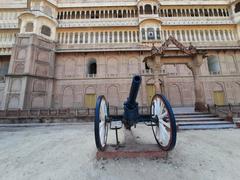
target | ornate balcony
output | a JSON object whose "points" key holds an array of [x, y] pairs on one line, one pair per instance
{"points": [[196, 20], [98, 22]]}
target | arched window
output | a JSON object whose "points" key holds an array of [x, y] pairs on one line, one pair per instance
{"points": [[155, 9], [237, 8], [29, 27], [92, 67], [213, 65], [158, 34], [148, 9], [150, 33], [46, 30], [143, 34]]}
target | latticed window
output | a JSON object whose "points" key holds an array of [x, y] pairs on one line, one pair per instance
{"points": [[91, 37], [106, 37], [158, 34], [110, 37], [29, 27], [76, 38], [148, 9], [86, 37], [115, 36], [46, 30], [125, 36], [237, 8], [143, 34], [3, 69], [150, 34]]}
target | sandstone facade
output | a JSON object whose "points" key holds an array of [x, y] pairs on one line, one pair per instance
{"points": [[62, 54]]}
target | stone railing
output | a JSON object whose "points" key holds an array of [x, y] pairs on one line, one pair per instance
{"points": [[5, 51], [196, 20], [9, 24], [62, 113], [98, 22]]}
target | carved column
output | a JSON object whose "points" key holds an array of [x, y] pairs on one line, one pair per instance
{"points": [[155, 64], [194, 66]]}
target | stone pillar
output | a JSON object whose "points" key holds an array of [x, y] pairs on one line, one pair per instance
{"points": [[195, 66], [155, 65], [29, 83]]}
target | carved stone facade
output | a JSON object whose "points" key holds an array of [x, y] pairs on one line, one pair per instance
{"points": [[63, 54]]}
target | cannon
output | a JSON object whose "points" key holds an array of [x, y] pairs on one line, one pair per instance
{"points": [[160, 118]]}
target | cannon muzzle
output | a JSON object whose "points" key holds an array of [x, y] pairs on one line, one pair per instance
{"points": [[131, 106], [131, 101]]}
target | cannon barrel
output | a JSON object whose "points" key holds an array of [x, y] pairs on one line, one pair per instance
{"points": [[131, 101], [131, 106]]}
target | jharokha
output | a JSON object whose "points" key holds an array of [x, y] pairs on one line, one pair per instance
{"points": [[64, 53]]}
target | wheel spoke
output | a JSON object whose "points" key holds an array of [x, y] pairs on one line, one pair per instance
{"points": [[163, 135], [102, 132], [164, 123]]}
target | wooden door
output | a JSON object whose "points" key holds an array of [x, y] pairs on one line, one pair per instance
{"points": [[218, 97], [90, 100], [151, 91]]}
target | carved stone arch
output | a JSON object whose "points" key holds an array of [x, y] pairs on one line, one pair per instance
{"points": [[150, 81], [142, 2], [16, 85], [38, 102], [153, 20], [113, 95], [191, 50], [175, 94], [90, 90], [19, 68], [39, 86], [230, 62], [112, 65], [68, 97], [133, 65], [13, 102], [218, 86], [69, 67]]}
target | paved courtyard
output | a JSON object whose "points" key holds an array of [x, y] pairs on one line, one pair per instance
{"points": [[67, 152]]}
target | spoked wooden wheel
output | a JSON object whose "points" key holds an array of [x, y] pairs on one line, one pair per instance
{"points": [[100, 124], [163, 124]]}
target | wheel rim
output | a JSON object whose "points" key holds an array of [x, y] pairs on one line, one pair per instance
{"points": [[101, 125], [162, 130]]}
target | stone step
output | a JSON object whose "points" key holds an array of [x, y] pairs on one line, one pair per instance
{"points": [[200, 119], [192, 113], [203, 123], [195, 116], [209, 126]]}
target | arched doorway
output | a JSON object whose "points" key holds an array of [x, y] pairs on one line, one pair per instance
{"points": [[218, 94], [67, 97], [90, 97]]}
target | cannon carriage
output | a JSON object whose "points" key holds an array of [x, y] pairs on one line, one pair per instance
{"points": [[161, 119]]}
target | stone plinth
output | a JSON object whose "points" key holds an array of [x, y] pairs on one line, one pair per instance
{"points": [[132, 151]]}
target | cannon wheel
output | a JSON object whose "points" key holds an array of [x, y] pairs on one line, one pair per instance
{"points": [[164, 127], [100, 124]]}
